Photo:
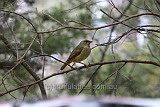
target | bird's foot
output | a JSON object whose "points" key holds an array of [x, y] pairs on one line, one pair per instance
{"points": [[84, 65], [77, 68]]}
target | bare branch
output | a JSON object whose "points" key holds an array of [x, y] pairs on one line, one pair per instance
{"points": [[101, 27], [83, 67], [26, 66]]}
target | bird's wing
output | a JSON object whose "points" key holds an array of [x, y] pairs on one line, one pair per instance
{"points": [[75, 53]]}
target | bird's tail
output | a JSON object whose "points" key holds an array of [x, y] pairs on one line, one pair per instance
{"points": [[65, 64]]}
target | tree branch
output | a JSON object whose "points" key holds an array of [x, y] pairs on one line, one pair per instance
{"points": [[83, 67], [26, 66]]}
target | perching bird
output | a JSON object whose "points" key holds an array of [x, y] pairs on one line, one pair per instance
{"points": [[80, 53]]}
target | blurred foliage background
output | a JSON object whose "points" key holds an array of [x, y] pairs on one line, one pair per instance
{"points": [[138, 80]]}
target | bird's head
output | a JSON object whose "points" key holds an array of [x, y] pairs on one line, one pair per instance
{"points": [[85, 42]]}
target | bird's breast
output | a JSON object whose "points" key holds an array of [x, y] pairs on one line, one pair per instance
{"points": [[83, 55]]}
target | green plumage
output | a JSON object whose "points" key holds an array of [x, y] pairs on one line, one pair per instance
{"points": [[80, 53]]}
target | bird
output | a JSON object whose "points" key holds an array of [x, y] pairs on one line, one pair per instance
{"points": [[79, 53]]}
